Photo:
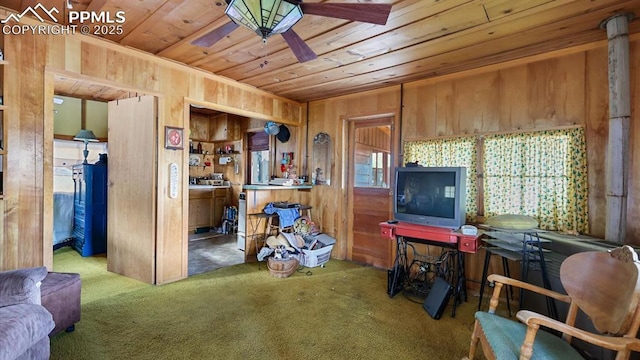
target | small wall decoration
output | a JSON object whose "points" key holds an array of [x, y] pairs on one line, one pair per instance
{"points": [[322, 154], [173, 138]]}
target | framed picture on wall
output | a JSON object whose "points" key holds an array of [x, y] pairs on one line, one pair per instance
{"points": [[173, 138]]}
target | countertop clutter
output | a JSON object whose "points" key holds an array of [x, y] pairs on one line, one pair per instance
{"points": [[275, 187], [225, 185], [214, 181]]}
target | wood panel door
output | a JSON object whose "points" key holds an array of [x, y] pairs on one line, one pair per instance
{"points": [[131, 206], [371, 150]]}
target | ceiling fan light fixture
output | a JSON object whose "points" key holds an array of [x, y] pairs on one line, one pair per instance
{"points": [[265, 17]]}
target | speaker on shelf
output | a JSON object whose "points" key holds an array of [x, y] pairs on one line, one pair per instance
{"points": [[438, 297]]}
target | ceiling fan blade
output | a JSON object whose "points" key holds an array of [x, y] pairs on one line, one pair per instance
{"points": [[369, 13], [215, 35], [302, 51]]}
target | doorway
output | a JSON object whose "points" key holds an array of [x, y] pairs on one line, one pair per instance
{"points": [[78, 135], [86, 90], [70, 115], [215, 152], [371, 153]]}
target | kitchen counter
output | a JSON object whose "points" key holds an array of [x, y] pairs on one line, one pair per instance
{"points": [[208, 187], [275, 187]]}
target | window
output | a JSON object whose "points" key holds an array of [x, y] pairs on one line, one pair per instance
{"points": [[448, 152], [260, 167], [259, 155], [372, 156], [379, 169], [371, 168], [541, 174]]}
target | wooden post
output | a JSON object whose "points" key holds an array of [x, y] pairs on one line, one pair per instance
{"points": [[619, 114]]}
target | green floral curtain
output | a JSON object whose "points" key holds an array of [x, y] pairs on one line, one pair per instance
{"points": [[541, 174], [449, 152]]}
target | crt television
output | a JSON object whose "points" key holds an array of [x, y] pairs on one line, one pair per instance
{"points": [[433, 196]]}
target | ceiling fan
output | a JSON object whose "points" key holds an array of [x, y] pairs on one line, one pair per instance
{"points": [[268, 17]]}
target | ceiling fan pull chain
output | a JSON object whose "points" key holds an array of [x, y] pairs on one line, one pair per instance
{"points": [[264, 56]]}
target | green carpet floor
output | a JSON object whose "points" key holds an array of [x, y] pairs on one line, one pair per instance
{"points": [[341, 311]]}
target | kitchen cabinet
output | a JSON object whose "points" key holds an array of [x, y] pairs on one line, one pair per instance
{"points": [[213, 128], [225, 127], [219, 202], [200, 202], [206, 206]]}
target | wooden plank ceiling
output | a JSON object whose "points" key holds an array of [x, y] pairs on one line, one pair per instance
{"points": [[422, 38]]}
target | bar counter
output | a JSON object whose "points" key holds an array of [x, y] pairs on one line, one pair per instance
{"points": [[257, 197], [275, 187]]}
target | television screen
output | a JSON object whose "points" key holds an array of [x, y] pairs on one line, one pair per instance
{"points": [[431, 196]]}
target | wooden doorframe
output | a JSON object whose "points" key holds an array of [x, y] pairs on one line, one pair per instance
{"points": [[50, 76], [349, 125]]}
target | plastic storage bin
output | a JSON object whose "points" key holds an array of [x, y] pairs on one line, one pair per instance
{"points": [[313, 258]]}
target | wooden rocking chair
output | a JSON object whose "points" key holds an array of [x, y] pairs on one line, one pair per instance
{"points": [[603, 284]]}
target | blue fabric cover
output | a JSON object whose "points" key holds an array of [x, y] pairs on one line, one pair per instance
{"points": [[505, 337], [287, 216], [62, 217]]}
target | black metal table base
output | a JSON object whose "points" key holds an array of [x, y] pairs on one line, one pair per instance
{"points": [[449, 265], [531, 257]]}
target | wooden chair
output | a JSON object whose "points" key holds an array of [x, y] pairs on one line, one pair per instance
{"points": [[603, 284]]}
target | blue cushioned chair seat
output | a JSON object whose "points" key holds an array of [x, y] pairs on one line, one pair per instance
{"points": [[505, 336]]}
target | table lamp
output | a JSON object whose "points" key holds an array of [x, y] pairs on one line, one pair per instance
{"points": [[85, 136]]}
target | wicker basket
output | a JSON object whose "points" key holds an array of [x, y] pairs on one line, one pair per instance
{"points": [[282, 268]]}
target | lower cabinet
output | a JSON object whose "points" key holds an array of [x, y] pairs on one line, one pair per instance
{"points": [[219, 203], [206, 207]]}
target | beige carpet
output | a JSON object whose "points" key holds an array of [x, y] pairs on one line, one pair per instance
{"points": [[340, 311]]}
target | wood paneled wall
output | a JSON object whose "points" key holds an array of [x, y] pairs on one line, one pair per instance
{"points": [[36, 61], [553, 93], [331, 208], [550, 91]]}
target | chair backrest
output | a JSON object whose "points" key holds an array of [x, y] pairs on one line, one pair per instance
{"points": [[605, 286]]}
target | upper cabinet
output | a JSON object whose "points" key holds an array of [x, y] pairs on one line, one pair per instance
{"points": [[212, 128]]}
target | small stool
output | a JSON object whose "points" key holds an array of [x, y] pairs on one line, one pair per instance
{"points": [[60, 294], [306, 208], [255, 236]]}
